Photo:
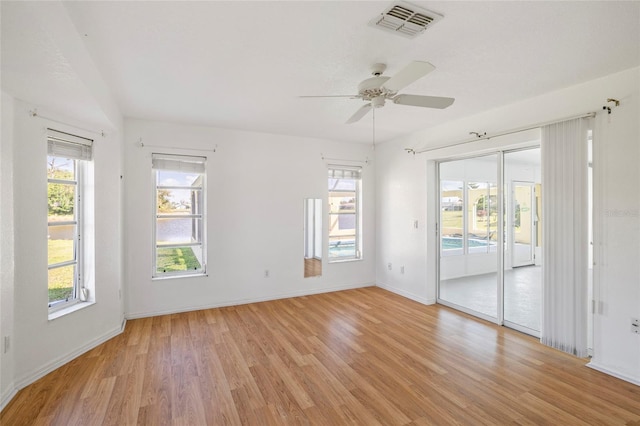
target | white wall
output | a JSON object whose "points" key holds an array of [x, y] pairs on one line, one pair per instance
{"points": [[40, 345], [409, 181], [6, 250], [401, 185], [256, 187], [617, 238]]}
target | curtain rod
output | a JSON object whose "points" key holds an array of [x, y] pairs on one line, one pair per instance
{"points": [[365, 161], [145, 145], [34, 113], [509, 132]]}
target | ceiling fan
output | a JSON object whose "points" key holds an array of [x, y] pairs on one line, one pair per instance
{"points": [[377, 89]]}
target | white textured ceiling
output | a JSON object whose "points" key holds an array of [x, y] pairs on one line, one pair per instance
{"points": [[242, 65]]}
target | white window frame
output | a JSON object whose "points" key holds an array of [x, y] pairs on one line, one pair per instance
{"points": [[465, 249], [180, 163], [355, 173], [79, 150]]}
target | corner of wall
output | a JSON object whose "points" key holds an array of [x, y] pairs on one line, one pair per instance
{"points": [[7, 367], [38, 345]]}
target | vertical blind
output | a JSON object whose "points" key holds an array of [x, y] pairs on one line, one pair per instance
{"points": [[565, 236]]}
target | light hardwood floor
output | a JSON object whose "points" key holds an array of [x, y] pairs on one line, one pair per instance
{"points": [[362, 356], [312, 267]]}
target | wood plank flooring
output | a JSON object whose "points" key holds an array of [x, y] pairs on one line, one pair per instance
{"points": [[312, 267], [364, 357]]}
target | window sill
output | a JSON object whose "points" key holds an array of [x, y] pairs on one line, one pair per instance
{"points": [[172, 277], [65, 311], [346, 260]]}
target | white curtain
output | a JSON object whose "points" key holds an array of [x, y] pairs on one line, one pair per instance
{"points": [[565, 235]]}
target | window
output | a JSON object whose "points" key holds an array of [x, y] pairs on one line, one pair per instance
{"points": [[452, 216], [179, 231], [482, 207], [468, 217], [344, 213], [67, 158]]}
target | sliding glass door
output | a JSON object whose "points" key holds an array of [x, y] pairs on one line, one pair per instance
{"points": [[522, 219], [492, 277], [469, 235], [522, 275]]}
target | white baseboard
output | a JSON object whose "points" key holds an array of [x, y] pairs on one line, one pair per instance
{"points": [[236, 302], [614, 373], [406, 294], [8, 396], [57, 363]]}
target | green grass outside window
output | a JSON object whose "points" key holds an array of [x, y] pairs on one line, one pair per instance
{"points": [[173, 259]]}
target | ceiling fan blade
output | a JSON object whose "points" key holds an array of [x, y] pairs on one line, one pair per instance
{"points": [[330, 96], [359, 114], [412, 72], [423, 101]]}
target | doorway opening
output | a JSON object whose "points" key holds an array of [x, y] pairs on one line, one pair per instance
{"points": [[490, 237]]}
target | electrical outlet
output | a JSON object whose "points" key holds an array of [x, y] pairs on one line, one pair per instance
{"points": [[389, 266], [402, 269], [266, 273], [635, 325], [415, 224]]}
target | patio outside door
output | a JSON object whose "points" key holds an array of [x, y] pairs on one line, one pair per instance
{"points": [[524, 221], [469, 236], [488, 237], [522, 274]]}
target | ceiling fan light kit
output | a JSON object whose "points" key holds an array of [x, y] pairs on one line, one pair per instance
{"points": [[377, 102]]}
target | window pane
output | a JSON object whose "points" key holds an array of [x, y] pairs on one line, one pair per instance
{"points": [[342, 235], [170, 178], [64, 184], [340, 224], [342, 184], [61, 168], [61, 283], [492, 238], [61, 199], [342, 202], [179, 201], [451, 202], [343, 198], [482, 208], [347, 222], [179, 193], [178, 230], [61, 244], [342, 246], [173, 259]]}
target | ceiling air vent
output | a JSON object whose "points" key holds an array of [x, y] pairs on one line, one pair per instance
{"points": [[405, 19]]}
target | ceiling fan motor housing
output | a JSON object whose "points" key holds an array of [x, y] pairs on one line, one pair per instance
{"points": [[372, 88], [377, 89]]}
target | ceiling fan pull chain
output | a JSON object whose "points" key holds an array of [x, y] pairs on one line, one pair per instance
{"points": [[374, 129]]}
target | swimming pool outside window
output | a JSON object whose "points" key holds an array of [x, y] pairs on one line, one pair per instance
{"points": [[344, 213], [468, 217]]}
